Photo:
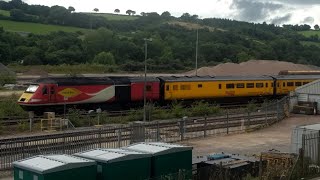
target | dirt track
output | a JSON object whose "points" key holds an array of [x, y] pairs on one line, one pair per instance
{"points": [[277, 136]]}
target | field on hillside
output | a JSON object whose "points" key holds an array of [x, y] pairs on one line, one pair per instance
{"points": [[36, 28], [4, 13], [308, 43], [115, 17], [310, 33]]}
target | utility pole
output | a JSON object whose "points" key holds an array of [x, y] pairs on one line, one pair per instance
{"points": [[145, 78], [197, 52]]}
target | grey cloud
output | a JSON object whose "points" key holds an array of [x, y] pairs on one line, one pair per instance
{"points": [[281, 20], [300, 2], [249, 10], [308, 20]]}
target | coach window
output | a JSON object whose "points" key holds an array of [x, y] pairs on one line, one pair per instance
{"points": [[271, 84], [219, 86], [259, 85], [290, 84], [278, 84], [149, 88], [185, 87], [175, 87], [230, 86], [199, 85], [240, 85], [167, 88], [284, 84], [266, 84], [44, 90], [298, 83], [250, 85]]}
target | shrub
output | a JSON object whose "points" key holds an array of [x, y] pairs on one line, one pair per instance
{"points": [[7, 79]]}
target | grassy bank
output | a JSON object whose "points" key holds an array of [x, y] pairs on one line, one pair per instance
{"points": [[36, 28]]}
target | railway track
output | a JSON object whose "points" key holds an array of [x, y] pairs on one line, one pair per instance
{"points": [[69, 142]]}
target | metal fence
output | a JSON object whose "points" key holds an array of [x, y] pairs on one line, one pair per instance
{"points": [[69, 142]]}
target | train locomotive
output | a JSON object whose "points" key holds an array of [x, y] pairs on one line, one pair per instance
{"points": [[50, 94]]}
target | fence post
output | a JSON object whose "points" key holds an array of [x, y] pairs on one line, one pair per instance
{"points": [[227, 121], [248, 119], [100, 138], [301, 153], [182, 128], [158, 131], [205, 127], [260, 167], [318, 154], [119, 136], [64, 144], [278, 110], [266, 113]]}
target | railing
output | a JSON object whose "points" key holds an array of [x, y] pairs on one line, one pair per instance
{"points": [[69, 142]]}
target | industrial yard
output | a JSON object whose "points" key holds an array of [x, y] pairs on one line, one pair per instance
{"points": [[275, 137]]}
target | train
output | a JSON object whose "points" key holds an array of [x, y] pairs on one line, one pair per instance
{"points": [[52, 93]]}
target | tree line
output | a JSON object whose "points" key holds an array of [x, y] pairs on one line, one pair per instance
{"points": [[121, 44]]}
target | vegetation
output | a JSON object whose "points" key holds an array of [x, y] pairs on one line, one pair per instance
{"points": [[7, 79], [10, 108], [115, 17], [4, 13], [310, 33], [36, 28], [172, 47]]}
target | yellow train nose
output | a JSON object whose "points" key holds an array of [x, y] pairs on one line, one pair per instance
{"points": [[25, 97]]}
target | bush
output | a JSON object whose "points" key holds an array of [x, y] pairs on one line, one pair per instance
{"points": [[22, 126], [9, 107], [7, 79]]}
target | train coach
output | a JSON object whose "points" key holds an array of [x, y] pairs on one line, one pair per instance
{"points": [[50, 94]]}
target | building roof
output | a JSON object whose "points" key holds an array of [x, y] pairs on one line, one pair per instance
{"points": [[44, 164], [310, 88], [297, 77], [112, 155], [158, 148]]}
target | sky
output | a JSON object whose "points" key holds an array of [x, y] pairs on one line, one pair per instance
{"points": [[271, 11]]}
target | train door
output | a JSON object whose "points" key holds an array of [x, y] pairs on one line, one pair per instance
{"points": [[52, 93]]}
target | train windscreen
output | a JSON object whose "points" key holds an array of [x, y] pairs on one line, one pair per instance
{"points": [[32, 88]]}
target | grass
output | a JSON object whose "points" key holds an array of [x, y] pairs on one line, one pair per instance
{"points": [[308, 43], [310, 33], [36, 28], [115, 17], [5, 13]]}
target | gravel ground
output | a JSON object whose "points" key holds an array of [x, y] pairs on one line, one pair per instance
{"points": [[277, 136]]}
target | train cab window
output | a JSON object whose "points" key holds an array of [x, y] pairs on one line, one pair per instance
{"points": [[304, 83], [278, 84], [259, 85], [298, 84], [240, 85], [250, 85], [175, 87], [219, 86], [148, 88], [44, 90], [284, 84], [185, 87], [199, 85], [52, 90], [266, 84], [290, 84], [230, 86], [167, 88]]}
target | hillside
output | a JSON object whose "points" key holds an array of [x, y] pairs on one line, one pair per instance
{"points": [[36, 28], [116, 42], [310, 33]]}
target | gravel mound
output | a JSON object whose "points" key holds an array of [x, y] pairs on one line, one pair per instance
{"points": [[252, 67]]}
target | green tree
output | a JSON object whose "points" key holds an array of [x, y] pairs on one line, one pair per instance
{"points": [[31, 60], [316, 27], [117, 10], [96, 10], [129, 12], [104, 58], [71, 9]]}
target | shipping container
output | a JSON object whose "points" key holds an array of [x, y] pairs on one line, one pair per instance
{"points": [[166, 158], [119, 164], [54, 167]]}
